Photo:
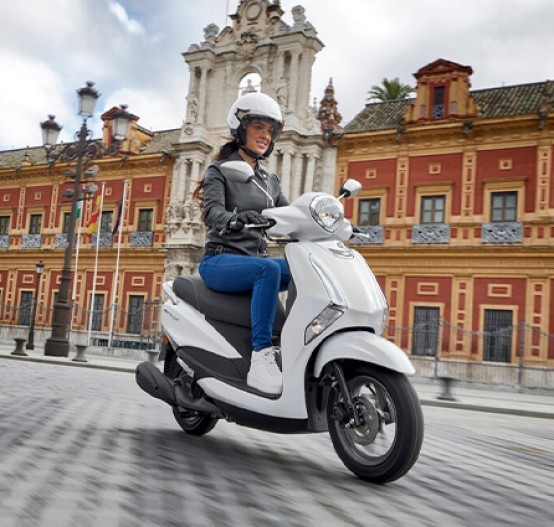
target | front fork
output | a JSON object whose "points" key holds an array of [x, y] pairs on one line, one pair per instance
{"points": [[344, 412]]}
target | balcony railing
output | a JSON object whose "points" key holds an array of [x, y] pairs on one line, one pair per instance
{"points": [[432, 233], [4, 241], [142, 239], [375, 235], [502, 232], [106, 239], [60, 240], [31, 241]]}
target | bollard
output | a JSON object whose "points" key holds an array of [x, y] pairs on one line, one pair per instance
{"points": [[80, 357], [152, 355], [18, 352], [447, 382]]}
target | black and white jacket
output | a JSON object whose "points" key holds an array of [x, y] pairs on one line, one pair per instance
{"points": [[223, 199]]}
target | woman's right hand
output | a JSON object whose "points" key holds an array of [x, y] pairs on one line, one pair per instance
{"points": [[241, 219]]}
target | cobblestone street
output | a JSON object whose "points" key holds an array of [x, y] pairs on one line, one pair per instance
{"points": [[81, 447]]}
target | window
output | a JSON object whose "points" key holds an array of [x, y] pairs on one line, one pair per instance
{"points": [[97, 312], [106, 221], [4, 225], [25, 307], [432, 209], [134, 318], [145, 220], [438, 102], [497, 342], [504, 206], [426, 331], [35, 223], [368, 211], [65, 226]]}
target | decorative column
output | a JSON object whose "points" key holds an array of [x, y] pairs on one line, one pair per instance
{"points": [[310, 172], [293, 83], [286, 173], [296, 176], [202, 95]]}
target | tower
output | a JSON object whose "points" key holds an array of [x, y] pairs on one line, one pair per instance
{"points": [[258, 52]]}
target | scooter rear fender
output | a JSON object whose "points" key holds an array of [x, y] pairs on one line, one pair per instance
{"points": [[363, 346]]}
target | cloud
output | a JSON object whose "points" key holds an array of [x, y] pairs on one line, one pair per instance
{"points": [[131, 26]]}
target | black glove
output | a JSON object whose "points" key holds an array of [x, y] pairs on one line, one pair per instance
{"points": [[238, 221]]}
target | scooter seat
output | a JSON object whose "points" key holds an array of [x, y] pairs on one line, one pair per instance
{"points": [[232, 308]]}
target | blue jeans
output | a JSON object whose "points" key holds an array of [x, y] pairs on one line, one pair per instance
{"points": [[265, 277]]}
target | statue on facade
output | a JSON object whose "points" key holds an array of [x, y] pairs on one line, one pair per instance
{"points": [[210, 34], [249, 88], [300, 22]]}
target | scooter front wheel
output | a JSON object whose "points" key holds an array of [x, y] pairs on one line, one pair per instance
{"points": [[386, 441]]}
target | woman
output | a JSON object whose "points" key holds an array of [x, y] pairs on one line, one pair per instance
{"points": [[236, 259]]}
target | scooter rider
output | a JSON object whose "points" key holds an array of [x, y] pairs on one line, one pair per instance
{"points": [[236, 259]]}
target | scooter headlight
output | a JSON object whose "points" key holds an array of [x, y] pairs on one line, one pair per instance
{"points": [[327, 211]]}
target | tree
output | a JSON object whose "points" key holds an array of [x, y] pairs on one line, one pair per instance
{"points": [[390, 90]]}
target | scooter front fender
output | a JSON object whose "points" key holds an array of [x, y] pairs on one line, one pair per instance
{"points": [[363, 346]]}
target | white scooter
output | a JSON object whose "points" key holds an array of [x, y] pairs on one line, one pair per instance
{"points": [[339, 374]]}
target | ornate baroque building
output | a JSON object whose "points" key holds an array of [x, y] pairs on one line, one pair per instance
{"points": [[458, 198], [260, 51]]}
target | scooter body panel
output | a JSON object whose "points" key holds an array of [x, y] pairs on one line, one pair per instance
{"points": [[186, 326]]}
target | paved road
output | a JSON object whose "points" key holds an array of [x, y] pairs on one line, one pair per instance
{"points": [[82, 447]]}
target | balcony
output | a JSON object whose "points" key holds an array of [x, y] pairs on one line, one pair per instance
{"points": [[431, 233], [142, 239], [502, 232], [375, 233], [4, 241], [31, 241], [60, 240], [106, 239]]}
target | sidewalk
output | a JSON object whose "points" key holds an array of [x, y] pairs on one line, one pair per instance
{"points": [[484, 398]]}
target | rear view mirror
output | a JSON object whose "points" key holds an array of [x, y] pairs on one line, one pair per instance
{"points": [[350, 189], [237, 171]]}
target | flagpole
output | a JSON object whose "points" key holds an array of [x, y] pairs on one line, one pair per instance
{"points": [[74, 292], [95, 274], [116, 275]]}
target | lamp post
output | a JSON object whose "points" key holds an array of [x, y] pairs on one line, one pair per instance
{"points": [[84, 149], [31, 340]]}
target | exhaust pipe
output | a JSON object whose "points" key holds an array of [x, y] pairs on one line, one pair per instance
{"points": [[156, 384]]}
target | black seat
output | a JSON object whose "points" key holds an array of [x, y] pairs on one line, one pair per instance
{"points": [[232, 308]]}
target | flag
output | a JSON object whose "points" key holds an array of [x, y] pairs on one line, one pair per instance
{"points": [[79, 209], [118, 219], [92, 225]]}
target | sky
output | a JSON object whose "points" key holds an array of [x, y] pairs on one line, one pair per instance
{"points": [[132, 50]]}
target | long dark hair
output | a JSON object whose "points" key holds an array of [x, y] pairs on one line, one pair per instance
{"points": [[224, 152]]}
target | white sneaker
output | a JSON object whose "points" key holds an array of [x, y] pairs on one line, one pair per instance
{"points": [[264, 374]]}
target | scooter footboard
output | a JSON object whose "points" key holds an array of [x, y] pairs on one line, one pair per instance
{"points": [[363, 346]]}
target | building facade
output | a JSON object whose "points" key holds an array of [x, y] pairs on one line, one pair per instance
{"points": [[458, 201], [34, 218]]}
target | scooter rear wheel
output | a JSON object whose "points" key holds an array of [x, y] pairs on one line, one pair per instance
{"points": [[192, 422], [387, 441]]}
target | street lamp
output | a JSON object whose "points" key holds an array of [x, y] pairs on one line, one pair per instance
{"points": [[84, 149], [31, 340]]}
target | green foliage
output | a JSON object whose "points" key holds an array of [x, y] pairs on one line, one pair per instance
{"points": [[390, 90]]}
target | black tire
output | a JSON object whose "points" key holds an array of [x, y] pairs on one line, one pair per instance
{"points": [[192, 422], [387, 443]]}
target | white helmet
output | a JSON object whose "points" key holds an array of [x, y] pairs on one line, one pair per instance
{"points": [[251, 106]]}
